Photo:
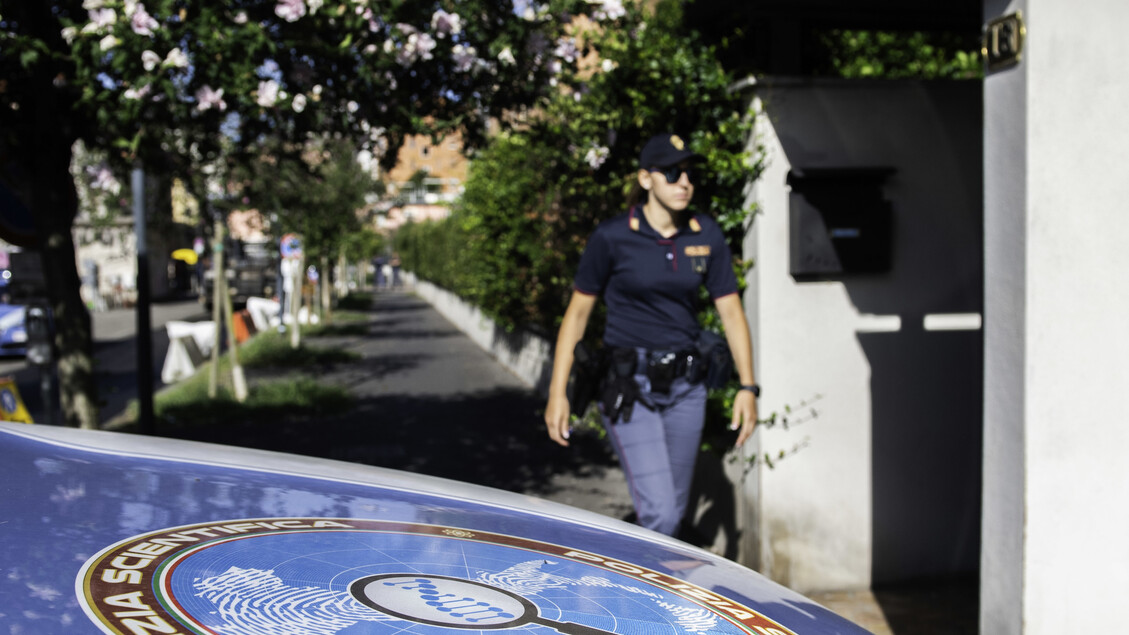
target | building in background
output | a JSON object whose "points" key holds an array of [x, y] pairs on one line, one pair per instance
{"points": [[426, 180]]}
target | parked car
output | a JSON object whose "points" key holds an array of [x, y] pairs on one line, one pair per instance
{"points": [[251, 271], [113, 533], [13, 330]]}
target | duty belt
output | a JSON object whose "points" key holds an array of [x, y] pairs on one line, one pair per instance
{"points": [[662, 367]]}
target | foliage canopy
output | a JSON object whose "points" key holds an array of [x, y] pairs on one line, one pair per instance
{"points": [[184, 86], [535, 194]]}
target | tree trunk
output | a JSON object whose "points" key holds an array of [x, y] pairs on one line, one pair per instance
{"points": [[238, 380], [362, 275], [326, 281], [46, 145], [298, 273], [74, 343], [219, 276], [342, 277]]}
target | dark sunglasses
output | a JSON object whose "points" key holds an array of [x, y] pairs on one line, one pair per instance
{"points": [[674, 172]]}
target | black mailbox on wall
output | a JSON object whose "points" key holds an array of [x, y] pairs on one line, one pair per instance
{"points": [[840, 221]]}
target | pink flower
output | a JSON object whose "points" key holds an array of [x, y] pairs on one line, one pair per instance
{"points": [[290, 10], [103, 179], [609, 9], [596, 156], [103, 17], [134, 94], [268, 93], [418, 47], [567, 49], [446, 23], [141, 22], [464, 57], [207, 98], [423, 43], [150, 60], [176, 59]]}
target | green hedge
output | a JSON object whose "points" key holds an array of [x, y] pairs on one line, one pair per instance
{"points": [[533, 196]]}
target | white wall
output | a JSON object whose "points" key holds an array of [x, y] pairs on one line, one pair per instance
{"points": [[1056, 479], [528, 356], [899, 404]]}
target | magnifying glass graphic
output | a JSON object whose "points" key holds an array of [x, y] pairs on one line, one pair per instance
{"points": [[438, 600]]}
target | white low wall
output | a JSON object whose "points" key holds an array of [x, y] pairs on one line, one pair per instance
{"points": [[527, 356]]}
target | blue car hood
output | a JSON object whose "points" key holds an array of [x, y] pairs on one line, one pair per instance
{"points": [[111, 533]]}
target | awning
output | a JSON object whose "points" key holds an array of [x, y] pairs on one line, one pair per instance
{"points": [[187, 255]]}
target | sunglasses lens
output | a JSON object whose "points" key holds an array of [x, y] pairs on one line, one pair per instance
{"points": [[674, 173]]}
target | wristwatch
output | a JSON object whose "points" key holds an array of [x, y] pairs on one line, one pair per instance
{"points": [[753, 388]]}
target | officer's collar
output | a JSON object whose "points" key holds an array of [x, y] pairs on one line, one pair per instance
{"points": [[635, 220]]}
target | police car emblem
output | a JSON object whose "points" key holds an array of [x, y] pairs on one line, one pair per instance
{"points": [[327, 575]]}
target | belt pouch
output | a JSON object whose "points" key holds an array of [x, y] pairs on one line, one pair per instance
{"points": [[662, 369]]}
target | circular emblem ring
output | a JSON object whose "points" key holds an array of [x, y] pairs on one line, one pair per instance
{"points": [[325, 575]]}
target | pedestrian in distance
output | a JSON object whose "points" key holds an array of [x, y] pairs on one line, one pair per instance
{"points": [[395, 262], [648, 265], [378, 264]]}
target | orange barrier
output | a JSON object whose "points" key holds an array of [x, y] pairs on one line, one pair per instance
{"points": [[244, 326]]}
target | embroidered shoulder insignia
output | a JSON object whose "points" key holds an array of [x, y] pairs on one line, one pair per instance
{"points": [[695, 225], [633, 222]]}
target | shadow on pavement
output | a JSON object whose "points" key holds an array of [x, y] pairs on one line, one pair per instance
{"points": [[931, 607], [493, 439]]}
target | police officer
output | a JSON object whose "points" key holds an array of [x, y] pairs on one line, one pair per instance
{"points": [[648, 265]]}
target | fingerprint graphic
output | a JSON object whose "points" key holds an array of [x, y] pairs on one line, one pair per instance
{"points": [[526, 578], [256, 602], [692, 620], [530, 578]]}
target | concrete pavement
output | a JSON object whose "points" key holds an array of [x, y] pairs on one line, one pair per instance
{"points": [[429, 400]]}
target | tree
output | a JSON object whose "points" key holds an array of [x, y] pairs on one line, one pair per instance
{"points": [[176, 86], [534, 195], [317, 193]]}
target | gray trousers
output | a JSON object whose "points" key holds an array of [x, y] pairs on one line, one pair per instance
{"points": [[657, 450]]}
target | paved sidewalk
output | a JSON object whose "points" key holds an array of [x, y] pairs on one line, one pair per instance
{"points": [[431, 401]]}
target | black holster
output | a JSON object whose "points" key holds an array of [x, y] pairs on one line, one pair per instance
{"points": [[718, 360], [620, 391], [588, 370]]}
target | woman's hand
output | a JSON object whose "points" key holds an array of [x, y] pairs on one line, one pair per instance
{"points": [[557, 419], [572, 330], [744, 415]]}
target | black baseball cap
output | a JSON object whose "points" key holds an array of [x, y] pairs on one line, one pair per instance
{"points": [[665, 150]]}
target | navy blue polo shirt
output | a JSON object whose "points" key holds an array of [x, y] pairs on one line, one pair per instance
{"points": [[650, 283]]}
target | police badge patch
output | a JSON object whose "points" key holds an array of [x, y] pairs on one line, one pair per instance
{"points": [[699, 257]]}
